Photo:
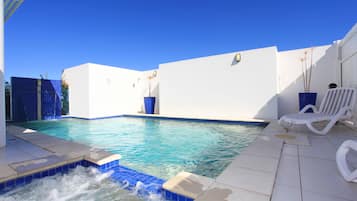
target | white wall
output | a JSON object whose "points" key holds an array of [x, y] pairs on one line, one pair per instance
{"points": [[348, 47], [101, 91], [77, 79], [112, 91], [2, 89], [215, 87], [290, 80]]}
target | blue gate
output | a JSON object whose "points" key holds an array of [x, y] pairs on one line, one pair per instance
{"points": [[34, 99]]}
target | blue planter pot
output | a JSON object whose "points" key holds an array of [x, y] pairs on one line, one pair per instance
{"points": [[149, 103], [307, 98]]}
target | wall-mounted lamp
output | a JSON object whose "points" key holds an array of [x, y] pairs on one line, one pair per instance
{"points": [[237, 57]]}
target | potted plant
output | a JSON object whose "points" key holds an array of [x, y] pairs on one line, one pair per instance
{"points": [[307, 97], [149, 101]]}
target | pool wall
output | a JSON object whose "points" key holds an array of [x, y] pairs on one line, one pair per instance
{"points": [[253, 122]]}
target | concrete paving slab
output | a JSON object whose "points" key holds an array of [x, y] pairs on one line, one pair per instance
{"points": [[322, 176], [288, 172], [221, 192], [251, 180], [188, 184], [6, 172], [311, 196], [290, 149], [285, 193], [253, 162], [35, 164]]}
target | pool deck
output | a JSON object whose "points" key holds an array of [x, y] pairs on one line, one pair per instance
{"points": [[301, 167], [297, 167], [28, 151]]}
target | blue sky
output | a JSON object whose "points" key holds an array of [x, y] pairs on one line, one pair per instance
{"points": [[45, 37]]}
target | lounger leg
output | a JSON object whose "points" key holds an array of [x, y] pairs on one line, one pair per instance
{"points": [[324, 131]]}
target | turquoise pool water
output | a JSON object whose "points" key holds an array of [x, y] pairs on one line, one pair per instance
{"points": [[158, 147]]}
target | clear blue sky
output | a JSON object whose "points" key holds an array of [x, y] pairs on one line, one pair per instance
{"points": [[46, 36]]}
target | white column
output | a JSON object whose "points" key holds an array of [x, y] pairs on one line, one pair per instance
{"points": [[2, 90]]}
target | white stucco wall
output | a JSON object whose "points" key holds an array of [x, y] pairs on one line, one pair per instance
{"points": [[348, 47], [77, 79], [101, 91], [112, 91], [215, 87], [290, 81]]}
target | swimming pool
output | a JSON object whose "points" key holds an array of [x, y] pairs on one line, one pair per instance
{"points": [[159, 147]]}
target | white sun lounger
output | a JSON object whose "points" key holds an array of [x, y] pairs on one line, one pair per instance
{"points": [[336, 105], [348, 175]]}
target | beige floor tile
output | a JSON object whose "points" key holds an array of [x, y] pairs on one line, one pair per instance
{"points": [[322, 176], [265, 146], [290, 149], [310, 196], [221, 192], [320, 148], [288, 172], [6, 172], [253, 162], [251, 180], [285, 193]]}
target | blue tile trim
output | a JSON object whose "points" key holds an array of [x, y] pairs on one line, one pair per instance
{"points": [[253, 123], [171, 196], [97, 118], [20, 181]]}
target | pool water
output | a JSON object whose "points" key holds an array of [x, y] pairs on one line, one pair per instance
{"points": [[159, 147]]}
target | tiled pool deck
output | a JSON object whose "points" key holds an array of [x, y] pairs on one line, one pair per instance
{"points": [[301, 169]]}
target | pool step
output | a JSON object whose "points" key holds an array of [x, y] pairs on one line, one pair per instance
{"points": [[130, 179]]}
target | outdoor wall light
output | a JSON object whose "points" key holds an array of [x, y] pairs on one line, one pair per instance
{"points": [[237, 57]]}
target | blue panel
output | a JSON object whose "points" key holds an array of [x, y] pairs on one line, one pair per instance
{"points": [[24, 99], [51, 99]]}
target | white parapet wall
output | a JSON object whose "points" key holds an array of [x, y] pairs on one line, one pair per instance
{"points": [[290, 82], [219, 87], [100, 91], [348, 58]]}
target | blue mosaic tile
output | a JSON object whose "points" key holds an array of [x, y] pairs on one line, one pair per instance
{"points": [[2, 186], [170, 196], [52, 172], [28, 178], [252, 123], [10, 184], [20, 181], [44, 173]]}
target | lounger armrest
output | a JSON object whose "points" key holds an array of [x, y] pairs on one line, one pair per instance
{"points": [[303, 110]]}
